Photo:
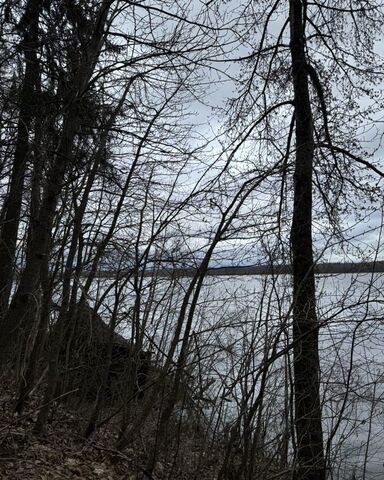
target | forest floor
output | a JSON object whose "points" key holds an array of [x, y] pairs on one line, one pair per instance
{"points": [[63, 453]]}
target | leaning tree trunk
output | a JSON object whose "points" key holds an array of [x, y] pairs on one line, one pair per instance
{"points": [[309, 454], [62, 321], [10, 214]]}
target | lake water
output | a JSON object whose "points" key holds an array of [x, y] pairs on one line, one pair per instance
{"points": [[238, 323]]}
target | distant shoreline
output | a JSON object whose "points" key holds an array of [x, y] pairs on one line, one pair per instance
{"points": [[321, 268]]}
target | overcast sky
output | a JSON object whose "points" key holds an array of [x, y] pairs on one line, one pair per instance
{"points": [[364, 236]]}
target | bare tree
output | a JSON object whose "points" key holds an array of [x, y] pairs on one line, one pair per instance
{"points": [[118, 203]]}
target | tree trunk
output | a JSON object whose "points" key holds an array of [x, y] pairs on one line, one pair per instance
{"points": [[10, 215], [309, 454], [17, 323]]}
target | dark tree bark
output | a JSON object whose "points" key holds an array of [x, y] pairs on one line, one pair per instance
{"points": [[17, 322], [10, 215], [310, 455]]}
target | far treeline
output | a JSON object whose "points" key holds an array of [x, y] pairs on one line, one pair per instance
{"points": [[320, 268]]}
